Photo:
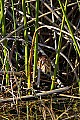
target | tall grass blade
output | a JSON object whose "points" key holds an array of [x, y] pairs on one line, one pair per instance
{"points": [[0, 17], [28, 8], [58, 52], [3, 31], [76, 47], [26, 42], [14, 21], [79, 23], [29, 63], [36, 42]]}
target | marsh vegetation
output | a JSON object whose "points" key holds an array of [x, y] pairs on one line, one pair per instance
{"points": [[39, 59]]}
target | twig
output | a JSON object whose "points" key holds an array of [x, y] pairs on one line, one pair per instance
{"points": [[36, 96], [69, 96]]}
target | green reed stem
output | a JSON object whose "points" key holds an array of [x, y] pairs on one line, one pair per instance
{"points": [[5, 42], [29, 63], [79, 78], [3, 18], [27, 67], [28, 8], [76, 47], [0, 16], [58, 52], [14, 21], [36, 42]]}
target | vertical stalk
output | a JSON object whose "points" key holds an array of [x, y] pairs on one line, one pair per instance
{"points": [[76, 53], [53, 22], [76, 47], [36, 42], [29, 63], [0, 16], [14, 21], [5, 42], [26, 41], [3, 18], [28, 8], [27, 107], [58, 53]]}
